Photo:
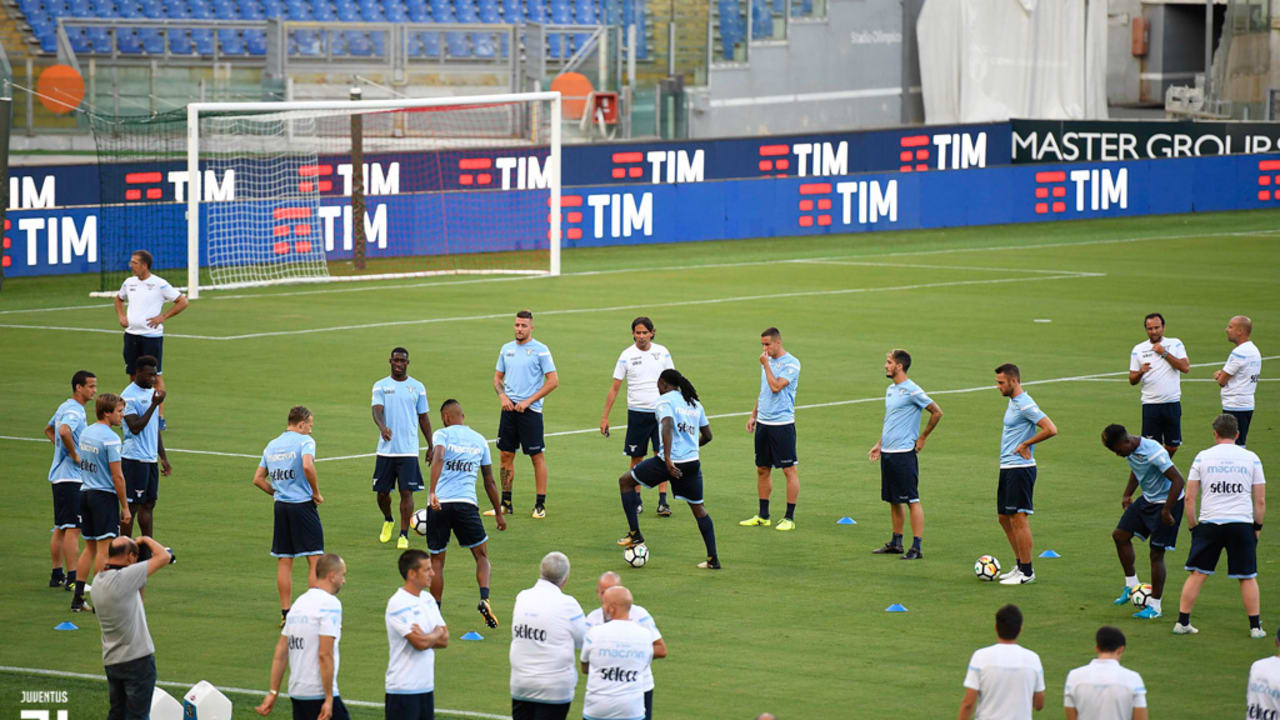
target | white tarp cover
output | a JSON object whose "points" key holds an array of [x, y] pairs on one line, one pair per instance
{"points": [[992, 60]]}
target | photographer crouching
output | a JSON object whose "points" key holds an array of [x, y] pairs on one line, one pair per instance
{"points": [[127, 651]]}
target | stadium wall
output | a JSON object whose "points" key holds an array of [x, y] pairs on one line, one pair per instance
{"points": [[711, 190]]}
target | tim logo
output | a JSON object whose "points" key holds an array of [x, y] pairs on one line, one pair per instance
{"points": [[951, 151], [810, 201], [475, 172], [571, 213], [315, 178], [774, 159], [5, 260], [914, 154], [1267, 179], [861, 202], [664, 166], [143, 184], [1099, 189], [627, 165], [293, 221]]}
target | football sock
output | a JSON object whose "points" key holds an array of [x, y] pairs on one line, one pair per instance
{"points": [[1131, 581], [1255, 621], [506, 497], [484, 593], [662, 498], [1025, 568], [915, 542], [708, 530], [1154, 603], [79, 591], [764, 508], [896, 541], [284, 613], [791, 511], [387, 518], [56, 574], [71, 576], [629, 504], [541, 500], [404, 533], [1184, 618]]}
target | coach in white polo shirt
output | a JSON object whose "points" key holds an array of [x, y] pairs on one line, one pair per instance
{"points": [[1005, 681], [547, 628], [641, 617], [1238, 377], [143, 323], [1157, 363], [414, 629], [1103, 690], [614, 658]]}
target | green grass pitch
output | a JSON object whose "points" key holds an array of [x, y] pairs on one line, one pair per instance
{"points": [[795, 623]]}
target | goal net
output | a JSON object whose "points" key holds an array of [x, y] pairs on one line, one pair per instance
{"points": [[267, 193]]}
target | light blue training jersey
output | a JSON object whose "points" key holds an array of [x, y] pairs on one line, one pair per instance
{"points": [[779, 408], [99, 446], [402, 402], [282, 460], [1148, 462], [686, 418], [1020, 419], [71, 414], [465, 452], [524, 368], [903, 403], [142, 446]]}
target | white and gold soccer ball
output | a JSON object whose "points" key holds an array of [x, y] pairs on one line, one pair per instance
{"points": [[987, 568], [1140, 595], [420, 521], [636, 555]]}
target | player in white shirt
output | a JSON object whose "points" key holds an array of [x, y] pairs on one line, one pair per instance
{"points": [[414, 629], [1103, 690], [309, 646], [63, 430], [639, 616], [143, 323], [614, 658], [1233, 505], [1157, 363], [1264, 687], [547, 630], [1005, 681], [1238, 378], [640, 365]]}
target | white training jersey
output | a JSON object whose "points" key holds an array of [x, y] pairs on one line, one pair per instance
{"points": [[1264, 689], [410, 671], [1104, 690], [146, 299], [547, 628], [1244, 365], [1006, 676], [641, 368], [313, 614], [641, 617], [616, 654], [1163, 382], [1226, 473]]}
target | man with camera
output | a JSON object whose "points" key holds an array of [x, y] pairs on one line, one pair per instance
{"points": [[127, 651]]}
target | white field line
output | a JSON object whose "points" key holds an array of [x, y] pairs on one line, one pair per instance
{"points": [[862, 263], [1095, 377], [229, 690], [1065, 275]]}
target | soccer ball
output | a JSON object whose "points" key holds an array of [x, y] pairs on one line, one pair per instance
{"points": [[636, 555], [420, 521], [986, 568], [1140, 595]]}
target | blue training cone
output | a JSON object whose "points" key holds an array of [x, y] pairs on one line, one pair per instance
{"points": [[896, 607], [846, 521], [473, 635], [65, 626], [1049, 554]]}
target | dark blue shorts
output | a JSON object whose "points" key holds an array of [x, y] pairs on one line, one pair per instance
{"points": [[393, 471], [1243, 418], [99, 514], [1238, 539], [66, 505], [653, 472], [531, 710], [1015, 490], [521, 430], [642, 433], [141, 481], [899, 477], [419, 706], [1162, 422], [135, 346], [310, 709], [462, 519], [1142, 518], [297, 532], [776, 445]]}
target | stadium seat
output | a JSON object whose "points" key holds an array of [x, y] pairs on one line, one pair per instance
{"points": [[348, 13], [48, 43], [490, 14], [100, 39], [202, 38], [457, 45], [378, 40], [419, 14], [761, 20], [585, 12], [230, 42], [152, 41], [358, 43], [396, 13], [180, 43], [372, 12], [127, 42], [79, 42], [430, 44], [256, 41], [323, 11]]}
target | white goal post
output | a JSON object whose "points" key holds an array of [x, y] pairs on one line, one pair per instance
{"points": [[247, 240]]}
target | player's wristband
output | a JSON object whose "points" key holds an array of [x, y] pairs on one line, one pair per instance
{"points": [[1257, 527]]}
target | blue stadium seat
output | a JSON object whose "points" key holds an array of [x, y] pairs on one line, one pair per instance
{"points": [[761, 20], [100, 39], [230, 42], [730, 24], [396, 13], [585, 12], [152, 9], [430, 43], [419, 14], [348, 13], [180, 43], [48, 43], [79, 42], [295, 10], [202, 38], [323, 11], [490, 14], [372, 12], [108, 9], [201, 12], [358, 43], [256, 41], [801, 7], [152, 40], [127, 41], [378, 40], [560, 12], [226, 12], [457, 45]]}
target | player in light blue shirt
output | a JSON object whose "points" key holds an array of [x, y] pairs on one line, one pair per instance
{"points": [[524, 376], [287, 472], [143, 445], [684, 429], [63, 430], [459, 452], [1155, 517], [773, 422], [103, 506], [400, 409], [900, 441], [1025, 426]]}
